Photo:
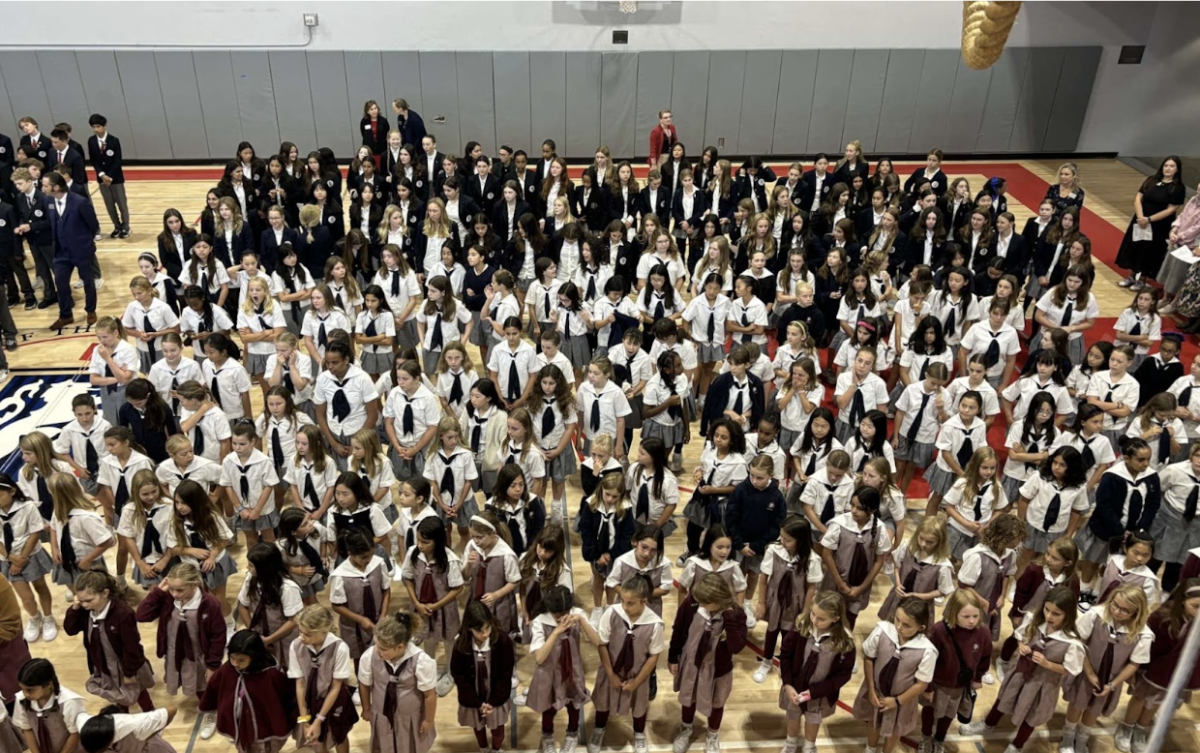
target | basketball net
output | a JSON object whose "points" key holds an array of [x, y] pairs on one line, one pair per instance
{"points": [[628, 6]]}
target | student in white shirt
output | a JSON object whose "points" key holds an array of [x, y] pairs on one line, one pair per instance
{"points": [[974, 381], [250, 478], [796, 400], [172, 370], [1052, 502], [973, 501], [259, 322], [399, 285], [1030, 441], [603, 407], [289, 367], [320, 320], [953, 305], [1072, 307], [293, 285], [959, 438], [113, 364], [87, 428], [200, 319], [1158, 425], [410, 417], [184, 465], [345, 399], [572, 320], [1115, 392], [203, 422], [226, 378], [747, 317], [441, 320], [510, 362], [500, 306], [1186, 390], [148, 318], [1047, 379], [996, 341], [604, 315], [1140, 325], [858, 390]]}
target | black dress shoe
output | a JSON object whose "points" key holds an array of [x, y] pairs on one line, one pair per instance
{"points": [[116, 233], [10, 343], [30, 304], [14, 302], [47, 303]]}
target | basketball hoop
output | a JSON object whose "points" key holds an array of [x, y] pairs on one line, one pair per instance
{"points": [[628, 6]]}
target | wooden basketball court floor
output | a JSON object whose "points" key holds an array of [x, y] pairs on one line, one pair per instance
{"points": [[752, 719]]}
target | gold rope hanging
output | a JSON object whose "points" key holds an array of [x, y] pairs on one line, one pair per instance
{"points": [[985, 30]]}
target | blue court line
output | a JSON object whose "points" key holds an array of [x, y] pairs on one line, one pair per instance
{"points": [[195, 732]]}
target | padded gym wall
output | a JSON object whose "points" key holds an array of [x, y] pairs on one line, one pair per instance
{"points": [[199, 104]]}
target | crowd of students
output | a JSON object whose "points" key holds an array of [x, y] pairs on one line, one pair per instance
{"points": [[828, 335]]}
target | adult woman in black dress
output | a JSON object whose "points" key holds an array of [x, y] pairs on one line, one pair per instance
{"points": [[1154, 208], [1068, 192]]}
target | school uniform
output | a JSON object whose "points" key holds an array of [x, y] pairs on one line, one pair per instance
{"points": [[870, 394], [960, 386], [148, 537], [191, 321], [249, 478], [311, 483], [705, 510], [917, 573], [1022, 392], [119, 478], [495, 569], [996, 347], [78, 536], [453, 472], [227, 383], [986, 572], [855, 551], [897, 666], [1069, 314], [201, 470], [548, 429], [278, 437], [1125, 390], [22, 520], [454, 387], [574, 330], [136, 732], [1132, 323], [209, 433], [51, 722], [1174, 528], [484, 435], [156, 318], [112, 396], [259, 320], [600, 408], [1117, 572], [198, 621], [1155, 376], [347, 399], [395, 726], [320, 667], [953, 315], [400, 290], [792, 416], [318, 326], [255, 709], [630, 644], [167, 378], [962, 442], [362, 592], [1160, 446], [1029, 693], [85, 446], [980, 509], [1049, 509], [267, 619]]}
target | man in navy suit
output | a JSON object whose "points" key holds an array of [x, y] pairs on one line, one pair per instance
{"points": [[74, 225]]}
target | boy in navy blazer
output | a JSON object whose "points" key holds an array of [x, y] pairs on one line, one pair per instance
{"points": [[74, 226], [63, 154], [33, 224], [34, 142], [104, 152]]}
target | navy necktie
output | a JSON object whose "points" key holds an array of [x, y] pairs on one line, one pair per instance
{"points": [[1089, 457], [829, 510], [966, 451], [260, 312], [341, 404], [1052, 511], [547, 417], [322, 335], [978, 507], [66, 548], [1068, 308], [6, 521], [370, 330], [595, 420], [746, 336], [447, 478], [244, 484], [950, 322], [277, 446], [476, 435], [151, 541], [407, 424], [1164, 444], [1135, 507], [915, 428], [1185, 398], [1189, 507], [858, 408], [148, 326], [287, 379], [310, 491], [993, 350], [590, 295], [739, 402], [121, 495], [1136, 329], [456, 389], [198, 440], [514, 380], [436, 337], [712, 326], [92, 458], [215, 387], [395, 275]]}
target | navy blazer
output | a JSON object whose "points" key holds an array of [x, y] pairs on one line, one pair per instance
{"points": [[37, 216], [619, 205], [531, 192], [845, 174], [75, 232], [810, 187], [500, 217], [698, 208], [539, 167], [1017, 256], [938, 183], [724, 207], [40, 150], [718, 398], [756, 183], [486, 196], [108, 162], [168, 255], [242, 242], [412, 128], [269, 250], [589, 530], [662, 203], [914, 254], [595, 212], [73, 161], [432, 182]]}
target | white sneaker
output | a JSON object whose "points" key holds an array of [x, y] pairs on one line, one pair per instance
{"points": [[1123, 737], [1012, 749], [683, 558], [70, 597], [926, 745], [208, 726], [975, 728], [570, 742], [790, 743], [989, 679], [520, 698], [355, 698], [548, 744], [751, 620], [3, 376], [939, 747], [712, 743], [595, 740], [1140, 740], [595, 618], [1127, 282], [854, 669], [639, 743], [49, 629], [869, 749], [760, 674], [1002, 669], [683, 739], [99, 282], [1067, 744], [77, 285], [33, 629], [445, 684], [809, 747]]}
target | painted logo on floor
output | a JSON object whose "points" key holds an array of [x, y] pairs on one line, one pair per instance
{"points": [[36, 402]]}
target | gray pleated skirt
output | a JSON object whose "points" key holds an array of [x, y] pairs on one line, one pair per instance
{"points": [[1173, 537], [429, 362], [708, 353], [39, 566], [940, 481], [376, 363], [480, 335], [1091, 548], [406, 334], [959, 542], [670, 435], [256, 363], [562, 466], [577, 351], [264, 523], [1039, 541]]}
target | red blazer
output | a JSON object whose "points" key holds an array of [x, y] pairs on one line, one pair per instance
{"points": [[1027, 586], [122, 630], [158, 605], [735, 636], [659, 139], [976, 648], [791, 669]]}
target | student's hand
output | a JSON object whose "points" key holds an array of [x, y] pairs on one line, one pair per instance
{"points": [[208, 673], [103, 351], [489, 599], [857, 591], [252, 515], [146, 570], [244, 514], [158, 567], [208, 565], [613, 680], [844, 589], [486, 708], [747, 551], [366, 624], [1039, 658], [674, 669], [873, 698], [760, 611], [900, 592], [341, 449], [1142, 221], [473, 558], [426, 727], [603, 560], [887, 704], [1104, 691], [424, 609], [312, 732]]}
